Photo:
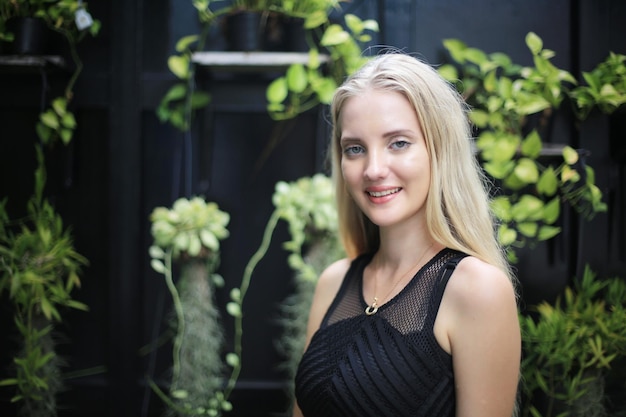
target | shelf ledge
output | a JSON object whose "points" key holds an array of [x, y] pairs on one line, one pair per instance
{"points": [[251, 61]]}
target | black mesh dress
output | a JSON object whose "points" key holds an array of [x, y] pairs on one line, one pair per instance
{"points": [[385, 365]]}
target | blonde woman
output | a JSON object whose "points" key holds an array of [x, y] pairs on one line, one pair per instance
{"points": [[421, 318]]}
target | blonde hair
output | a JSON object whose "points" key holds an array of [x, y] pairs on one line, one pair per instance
{"points": [[457, 206]]}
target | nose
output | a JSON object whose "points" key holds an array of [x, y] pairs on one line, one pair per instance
{"points": [[377, 165]]}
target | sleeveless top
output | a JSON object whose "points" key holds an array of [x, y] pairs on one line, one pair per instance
{"points": [[385, 365]]}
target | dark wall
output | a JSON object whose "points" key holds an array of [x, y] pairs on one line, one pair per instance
{"points": [[124, 162]]}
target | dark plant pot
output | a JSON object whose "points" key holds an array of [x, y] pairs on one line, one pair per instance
{"points": [[243, 31], [30, 36], [284, 34]]}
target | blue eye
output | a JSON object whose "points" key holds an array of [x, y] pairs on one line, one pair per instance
{"points": [[353, 150], [400, 144]]}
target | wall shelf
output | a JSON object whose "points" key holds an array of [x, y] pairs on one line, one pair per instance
{"points": [[20, 63], [251, 61]]}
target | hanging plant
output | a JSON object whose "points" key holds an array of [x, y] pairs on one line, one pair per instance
{"points": [[190, 233], [512, 107]]}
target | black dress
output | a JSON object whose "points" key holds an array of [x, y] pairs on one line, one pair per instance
{"points": [[387, 364]]}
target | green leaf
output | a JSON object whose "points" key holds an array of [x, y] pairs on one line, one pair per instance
{"points": [[548, 182], [315, 19], [534, 43], [8, 381], [277, 91], [184, 42], [570, 155], [528, 208], [448, 72], [548, 232], [531, 145], [50, 119], [334, 35], [506, 235], [528, 229], [179, 65], [526, 170], [501, 207], [59, 105], [552, 210], [296, 78]]}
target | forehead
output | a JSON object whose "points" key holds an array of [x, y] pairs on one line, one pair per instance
{"points": [[378, 109]]}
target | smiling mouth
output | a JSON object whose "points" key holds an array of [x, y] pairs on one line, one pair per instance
{"points": [[383, 193]]}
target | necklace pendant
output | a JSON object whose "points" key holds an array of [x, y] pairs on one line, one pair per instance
{"points": [[372, 309]]}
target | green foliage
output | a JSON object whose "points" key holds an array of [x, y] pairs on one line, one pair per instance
{"points": [[511, 105], [570, 346], [190, 231], [306, 86], [302, 87], [606, 87], [192, 227], [182, 98], [39, 270]]}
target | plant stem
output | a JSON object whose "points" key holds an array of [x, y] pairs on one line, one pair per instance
{"points": [[245, 283], [180, 328]]}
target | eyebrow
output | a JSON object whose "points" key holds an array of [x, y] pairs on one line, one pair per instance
{"points": [[392, 133]]}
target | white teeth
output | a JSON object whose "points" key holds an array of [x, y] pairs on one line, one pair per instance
{"points": [[383, 193]]}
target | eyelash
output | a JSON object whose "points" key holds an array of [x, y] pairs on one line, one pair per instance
{"points": [[399, 144]]}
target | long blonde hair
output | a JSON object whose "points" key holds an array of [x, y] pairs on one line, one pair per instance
{"points": [[457, 207]]}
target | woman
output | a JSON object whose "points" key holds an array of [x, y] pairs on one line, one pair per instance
{"points": [[421, 318]]}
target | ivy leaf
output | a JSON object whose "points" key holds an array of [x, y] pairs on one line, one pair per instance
{"points": [[179, 65], [570, 155], [552, 211], [534, 43], [548, 232], [531, 145], [506, 235], [526, 171], [334, 35], [296, 78], [548, 182], [277, 91]]}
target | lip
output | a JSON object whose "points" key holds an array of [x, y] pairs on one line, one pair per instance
{"points": [[382, 194]]}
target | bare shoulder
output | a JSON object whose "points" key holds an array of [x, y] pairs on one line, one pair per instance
{"points": [[477, 285]]}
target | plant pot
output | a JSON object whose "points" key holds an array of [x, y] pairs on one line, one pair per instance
{"points": [[30, 36], [243, 31]]}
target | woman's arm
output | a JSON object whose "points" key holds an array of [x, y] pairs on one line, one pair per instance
{"points": [[482, 328]]}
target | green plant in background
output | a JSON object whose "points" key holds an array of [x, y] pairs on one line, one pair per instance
{"points": [[308, 207], [190, 233], [302, 87], [570, 348], [305, 86], [73, 22], [179, 102], [605, 89], [512, 107], [39, 268]]}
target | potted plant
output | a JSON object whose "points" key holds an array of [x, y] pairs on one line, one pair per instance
{"points": [[23, 27], [305, 86], [189, 233], [334, 52]]}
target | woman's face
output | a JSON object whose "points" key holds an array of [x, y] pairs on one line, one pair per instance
{"points": [[384, 161]]}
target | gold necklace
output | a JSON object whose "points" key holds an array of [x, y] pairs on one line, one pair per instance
{"points": [[373, 308]]}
